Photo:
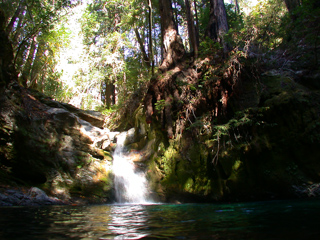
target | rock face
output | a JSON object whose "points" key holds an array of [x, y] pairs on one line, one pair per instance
{"points": [[61, 149], [269, 149]]}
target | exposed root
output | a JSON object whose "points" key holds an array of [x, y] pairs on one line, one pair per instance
{"points": [[180, 97]]}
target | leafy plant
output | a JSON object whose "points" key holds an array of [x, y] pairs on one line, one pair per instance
{"points": [[208, 46], [160, 104]]}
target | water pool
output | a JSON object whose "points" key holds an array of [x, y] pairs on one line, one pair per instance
{"points": [[299, 219]]}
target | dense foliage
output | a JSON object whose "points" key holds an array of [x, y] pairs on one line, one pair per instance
{"points": [[37, 38], [95, 54]]}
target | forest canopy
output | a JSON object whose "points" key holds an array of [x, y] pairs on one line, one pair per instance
{"points": [[96, 54]]}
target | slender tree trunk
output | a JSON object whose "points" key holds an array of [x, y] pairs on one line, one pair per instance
{"points": [[174, 13], [173, 48], [197, 22], [191, 29], [145, 57], [28, 63], [236, 6], [36, 68], [19, 29], [151, 55], [17, 14]]}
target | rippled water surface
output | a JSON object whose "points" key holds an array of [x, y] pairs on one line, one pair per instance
{"points": [[258, 220]]}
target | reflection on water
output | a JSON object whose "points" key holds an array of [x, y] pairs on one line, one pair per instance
{"points": [[129, 221], [260, 220]]}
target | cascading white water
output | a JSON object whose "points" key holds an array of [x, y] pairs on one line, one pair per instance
{"points": [[130, 184]]}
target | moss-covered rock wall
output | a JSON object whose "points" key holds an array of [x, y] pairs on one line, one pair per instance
{"points": [[268, 149]]}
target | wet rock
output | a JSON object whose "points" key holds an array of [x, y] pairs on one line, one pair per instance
{"points": [[39, 196], [63, 117], [27, 197], [93, 117], [49, 142], [130, 138]]}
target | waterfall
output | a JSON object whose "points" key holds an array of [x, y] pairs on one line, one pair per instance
{"points": [[130, 183]]}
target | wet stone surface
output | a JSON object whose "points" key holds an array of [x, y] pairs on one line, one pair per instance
{"points": [[27, 197]]}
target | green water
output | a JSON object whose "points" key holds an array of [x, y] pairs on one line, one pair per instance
{"points": [[298, 219]]}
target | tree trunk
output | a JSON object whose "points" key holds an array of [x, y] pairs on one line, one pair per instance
{"points": [[145, 57], [36, 69], [197, 22], [28, 63], [222, 22], [14, 17], [236, 6], [212, 27], [191, 29], [109, 94], [174, 13], [218, 23], [19, 29], [150, 37], [39, 65], [173, 49], [7, 71]]}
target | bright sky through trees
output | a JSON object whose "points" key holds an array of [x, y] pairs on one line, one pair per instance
{"points": [[73, 57]]}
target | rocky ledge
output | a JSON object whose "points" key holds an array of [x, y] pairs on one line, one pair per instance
{"points": [[52, 149]]}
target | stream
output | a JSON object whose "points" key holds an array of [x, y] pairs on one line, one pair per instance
{"points": [[298, 219]]}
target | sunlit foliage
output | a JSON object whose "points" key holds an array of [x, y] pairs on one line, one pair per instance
{"points": [[36, 39], [97, 54], [263, 29]]}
